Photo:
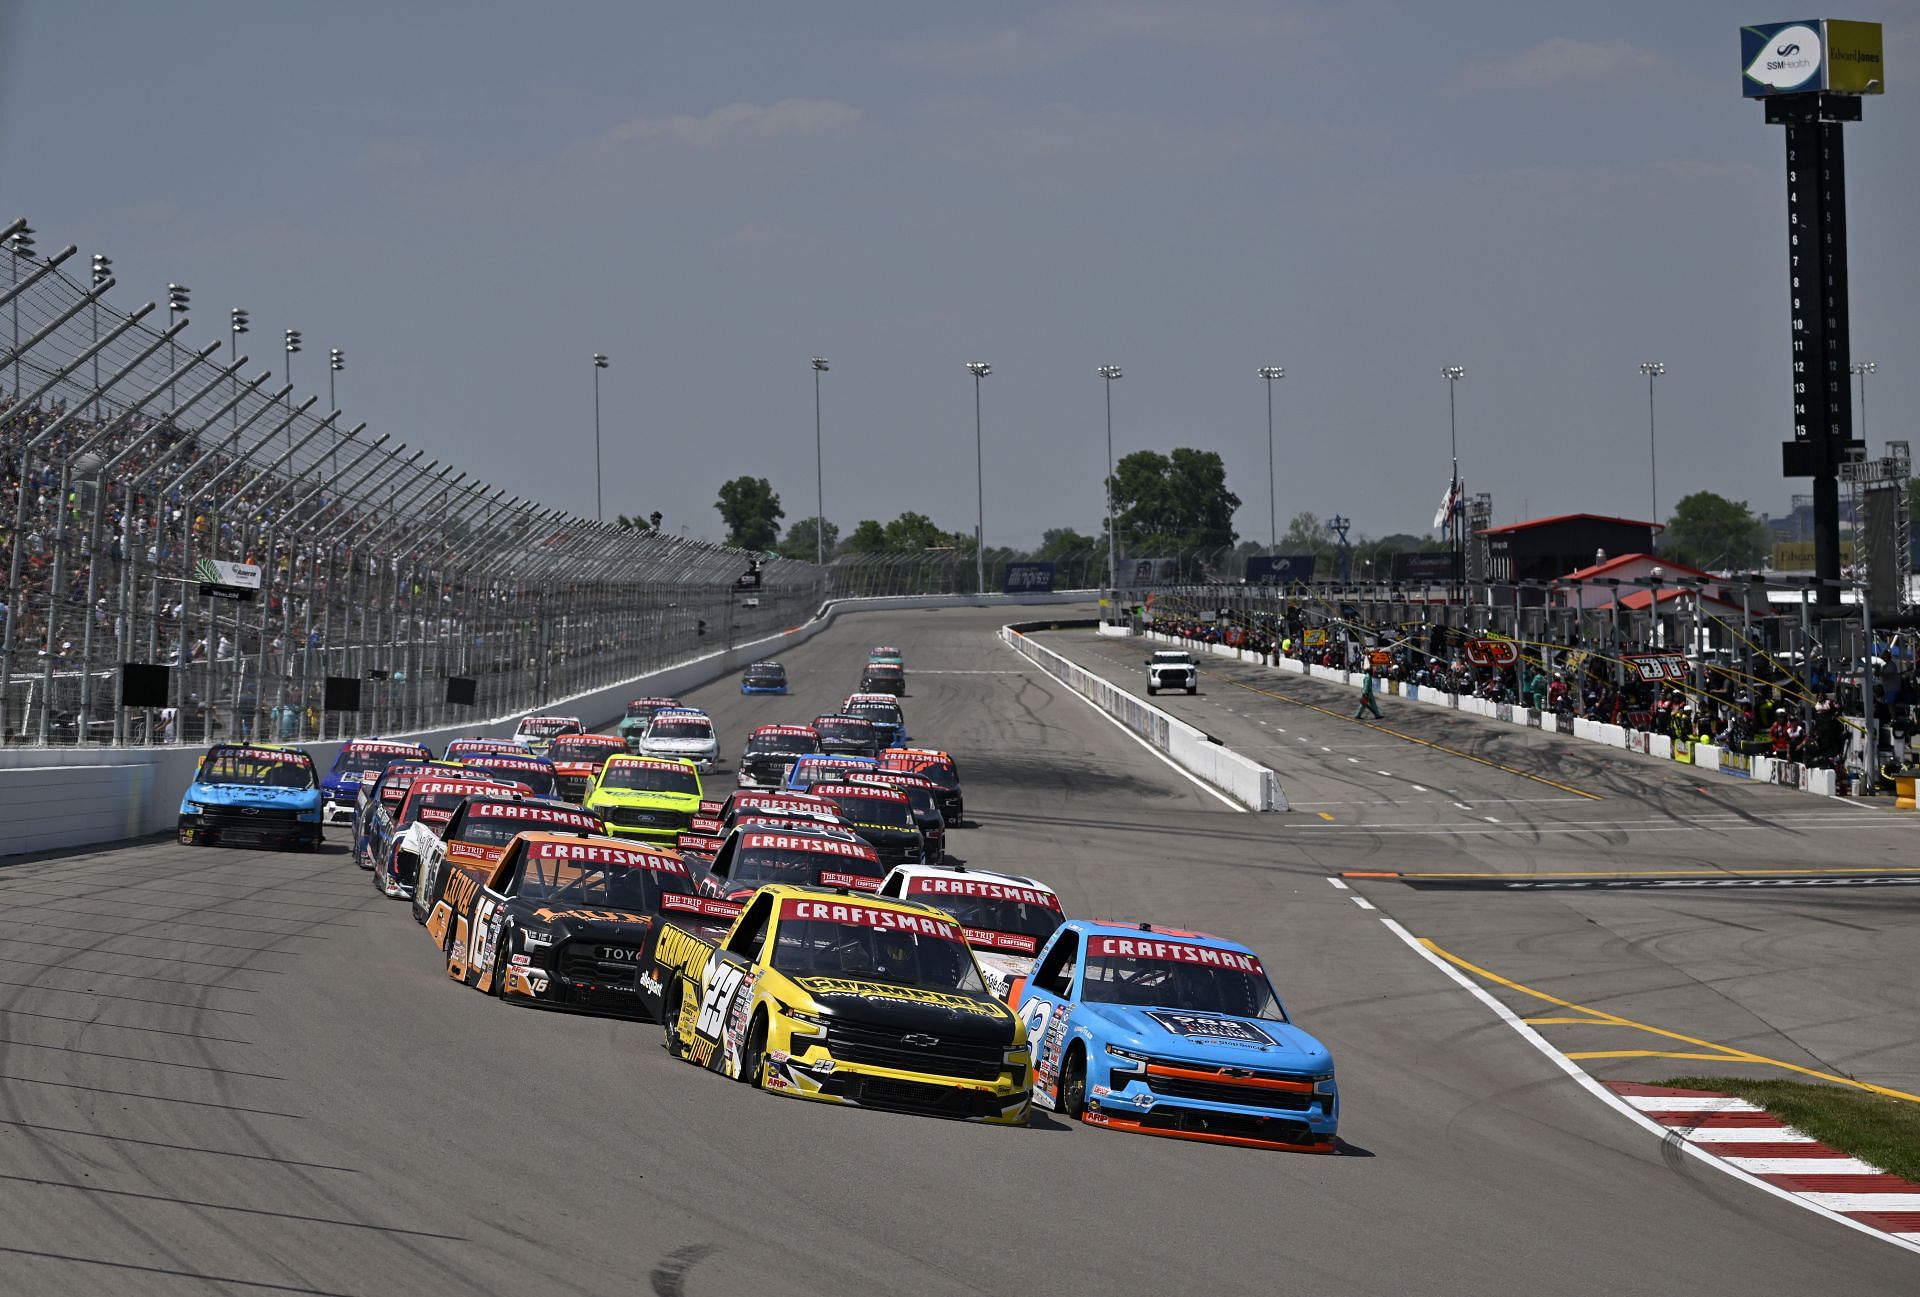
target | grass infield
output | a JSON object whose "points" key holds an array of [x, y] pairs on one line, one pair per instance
{"points": [[1884, 1132]]}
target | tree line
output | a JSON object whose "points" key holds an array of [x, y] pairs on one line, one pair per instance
{"points": [[1178, 503]]}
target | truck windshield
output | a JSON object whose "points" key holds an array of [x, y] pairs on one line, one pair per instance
{"points": [[258, 768], [823, 948]]}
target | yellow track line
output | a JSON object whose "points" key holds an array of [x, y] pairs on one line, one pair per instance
{"points": [[1601, 1018], [1425, 743]]}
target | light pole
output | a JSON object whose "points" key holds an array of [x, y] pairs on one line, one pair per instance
{"points": [[237, 324], [1109, 373], [178, 296], [102, 272], [293, 349], [979, 369], [20, 245], [599, 363], [1270, 373], [1653, 369], [336, 361], [1863, 368], [1453, 374], [819, 472]]}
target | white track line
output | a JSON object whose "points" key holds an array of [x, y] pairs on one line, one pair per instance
{"points": [[1363, 903], [1809, 1202], [1744, 1134], [1152, 751], [1805, 1166], [1689, 1103], [1339, 883]]}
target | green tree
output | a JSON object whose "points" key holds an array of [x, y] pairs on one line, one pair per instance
{"points": [[868, 538], [751, 511], [1306, 534], [640, 522], [1174, 502], [799, 539], [1062, 542], [916, 531], [1710, 531]]}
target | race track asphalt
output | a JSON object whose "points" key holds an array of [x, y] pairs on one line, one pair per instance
{"points": [[238, 1071]]}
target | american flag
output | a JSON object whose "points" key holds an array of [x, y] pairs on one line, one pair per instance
{"points": [[1449, 505]]}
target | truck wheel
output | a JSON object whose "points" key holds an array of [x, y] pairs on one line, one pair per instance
{"points": [[1152, 690], [1192, 690], [753, 1059], [1073, 1085], [670, 1019]]}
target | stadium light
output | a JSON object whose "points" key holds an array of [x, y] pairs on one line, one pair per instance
{"points": [[819, 472], [1863, 368], [1109, 373], [178, 296], [20, 244], [102, 275], [599, 363], [1653, 369], [1271, 373], [1453, 374], [979, 369]]}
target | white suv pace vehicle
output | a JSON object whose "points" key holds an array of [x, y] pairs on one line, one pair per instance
{"points": [[1172, 669]]}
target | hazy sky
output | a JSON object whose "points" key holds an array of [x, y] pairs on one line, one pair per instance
{"points": [[472, 198]]}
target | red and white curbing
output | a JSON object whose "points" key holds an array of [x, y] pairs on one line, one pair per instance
{"points": [[1750, 1139]]}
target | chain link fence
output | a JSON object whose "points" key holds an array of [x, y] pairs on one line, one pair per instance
{"points": [[133, 456]]}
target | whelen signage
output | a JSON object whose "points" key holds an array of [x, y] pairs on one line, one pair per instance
{"points": [[222, 580]]}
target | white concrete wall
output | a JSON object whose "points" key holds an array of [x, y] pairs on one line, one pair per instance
{"points": [[1704, 756], [1247, 782], [52, 798]]}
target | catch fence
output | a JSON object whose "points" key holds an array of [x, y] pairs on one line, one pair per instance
{"points": [[134, 455]]}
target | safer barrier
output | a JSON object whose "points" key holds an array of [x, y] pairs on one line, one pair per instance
{"points": [[1247, 782], [1702, 756]]}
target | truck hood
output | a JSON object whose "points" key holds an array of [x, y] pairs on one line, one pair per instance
{"points": [[1214, 1039], [940, 1014], [679, 745], [292, 799]]}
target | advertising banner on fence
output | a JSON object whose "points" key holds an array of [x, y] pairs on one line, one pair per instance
{"points": [[1029, 578], [1149, 571], [1414, 568], [1279, 569], [220, 579]]}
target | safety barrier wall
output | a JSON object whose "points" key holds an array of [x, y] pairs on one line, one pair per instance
{"points": [[1702, 756], [56, 798], [1247, 782]]}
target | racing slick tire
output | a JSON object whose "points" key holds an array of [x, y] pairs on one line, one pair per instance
{"points": [[1192, 690], [753, 1057], [670, 1019], [1073, 1084], [1152, 690], [498, 990]]}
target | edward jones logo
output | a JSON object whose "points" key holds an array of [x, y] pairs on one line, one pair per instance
{"points": [[1788, 58]]}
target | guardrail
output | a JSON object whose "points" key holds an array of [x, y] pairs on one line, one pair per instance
{"points": [[1247, 782]]}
